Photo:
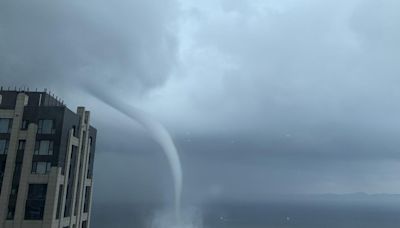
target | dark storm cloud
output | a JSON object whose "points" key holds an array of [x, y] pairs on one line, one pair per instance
{"points": [[127, 44], [301, 98], [261, 96], [309, 85]]}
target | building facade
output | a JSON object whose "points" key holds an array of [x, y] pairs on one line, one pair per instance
{"points": [[46, 162]]}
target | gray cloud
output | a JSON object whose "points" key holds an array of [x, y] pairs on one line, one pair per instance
{"points": [[261, 96], [129, 45], [301, 84]]}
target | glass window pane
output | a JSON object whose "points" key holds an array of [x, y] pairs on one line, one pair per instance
{"points": [[3, 146], [37, 145], [24, 125], [50, 151], [44, 147], [37, 191], [21, 145], [45, 127], [5, 125], [35, 202], [48, 167], [41, 168], [34, 165], [40, 126]]}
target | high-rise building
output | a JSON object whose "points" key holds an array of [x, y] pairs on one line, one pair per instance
{"points": [[46, 162]]}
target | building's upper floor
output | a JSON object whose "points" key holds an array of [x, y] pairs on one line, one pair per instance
{"points": [[8, 99], [54, 123]]}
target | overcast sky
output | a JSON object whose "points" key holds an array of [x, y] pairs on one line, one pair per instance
{"points": [[261, 96]]}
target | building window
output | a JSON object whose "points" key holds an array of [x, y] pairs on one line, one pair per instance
{"points": [[60, 196], [87, 199], [26, 100], [3, 146], [24, 124], [84, 224], [5, 125], [45, 127], [34, 208], [2, 168], [12, 201], [68, 201], [21, 145], [41, 167], [74, 132], [11, 207], [44, 147]]}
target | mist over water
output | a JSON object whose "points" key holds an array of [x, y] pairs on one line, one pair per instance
{"points": [[190, 218], [163, 138]]}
